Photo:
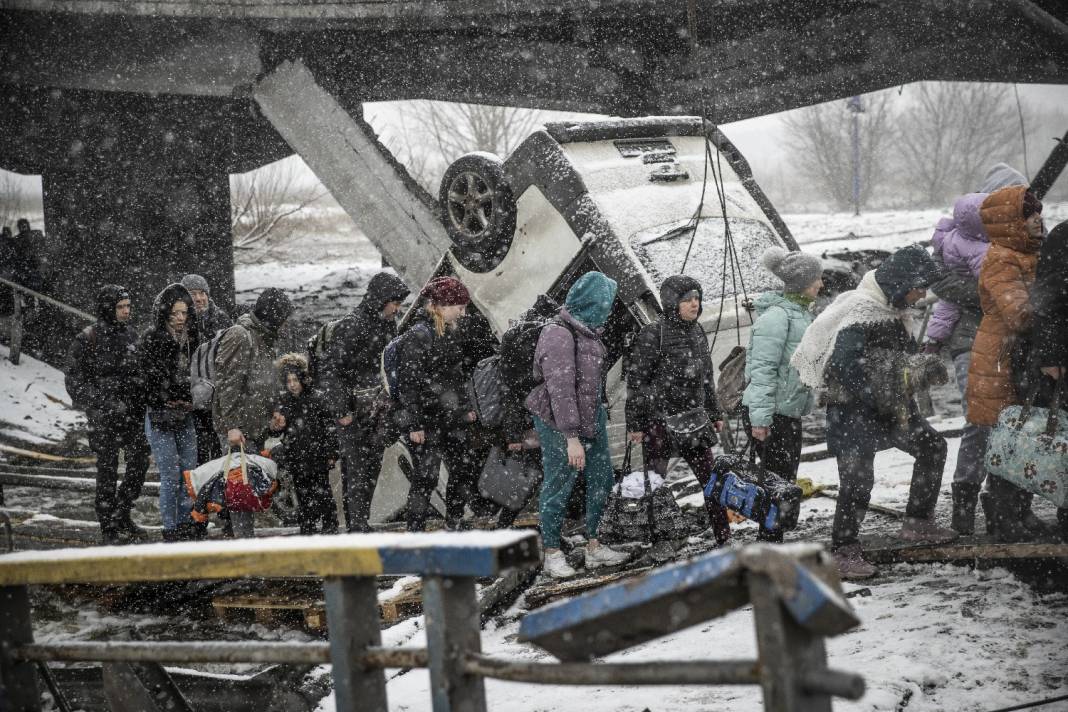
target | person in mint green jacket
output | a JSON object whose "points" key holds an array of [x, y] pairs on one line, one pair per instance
{"points": [[775, 399]]}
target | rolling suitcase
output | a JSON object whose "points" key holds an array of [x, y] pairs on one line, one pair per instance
{"points": [[744, 487]]}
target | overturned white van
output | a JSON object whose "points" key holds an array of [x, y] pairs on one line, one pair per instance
{"points": [[637, 199]]}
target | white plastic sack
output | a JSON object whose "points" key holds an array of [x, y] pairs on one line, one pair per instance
{"points": [[199, 476], [632, 486]]}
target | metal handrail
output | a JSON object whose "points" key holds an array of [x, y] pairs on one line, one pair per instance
{"points": [[45, 298]]}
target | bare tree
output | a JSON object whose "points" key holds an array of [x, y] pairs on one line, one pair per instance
{"points": [[950, 133], [264, 201], [820, 139], [433, 134]]}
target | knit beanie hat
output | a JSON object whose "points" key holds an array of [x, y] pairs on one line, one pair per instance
{"points": [[194, 282], [1031, 204], [446, 292], [272, 308], [797, 270]]}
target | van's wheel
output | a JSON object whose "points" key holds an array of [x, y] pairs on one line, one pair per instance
{"points": [[478, 210]]}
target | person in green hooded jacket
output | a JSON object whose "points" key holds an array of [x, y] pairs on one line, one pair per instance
{"points": [[775, 399], [571, 419]]}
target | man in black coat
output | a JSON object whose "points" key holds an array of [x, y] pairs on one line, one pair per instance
{"points": [[1049, 296], [104, 380], [670, 373], [349, 382]]}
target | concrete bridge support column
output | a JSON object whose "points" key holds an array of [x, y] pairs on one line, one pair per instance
{"points": [[140, 223]]}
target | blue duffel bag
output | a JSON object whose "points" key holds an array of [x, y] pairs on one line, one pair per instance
{"points": [[1029, 448]]}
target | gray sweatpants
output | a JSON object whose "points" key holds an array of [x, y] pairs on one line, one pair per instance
{"points": [[970, 466]]}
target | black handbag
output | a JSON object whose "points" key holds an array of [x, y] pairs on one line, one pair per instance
{"points": [[691, 428], [653, 517], [167, 420]]}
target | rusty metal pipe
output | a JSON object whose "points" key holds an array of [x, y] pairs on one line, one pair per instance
{"points": [[659, 672], [211, 652]]}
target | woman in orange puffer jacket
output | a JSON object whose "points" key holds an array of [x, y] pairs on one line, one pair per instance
{"points": [[1013, 221]]}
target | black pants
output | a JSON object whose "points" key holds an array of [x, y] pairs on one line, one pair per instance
{"points": [[454, 448], [316, 510], [208, 447], [113, 504], [362, 448], [856, 475], [781, 450]]}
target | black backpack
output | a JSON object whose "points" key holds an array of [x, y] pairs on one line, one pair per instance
{"points": [[317, 344]]}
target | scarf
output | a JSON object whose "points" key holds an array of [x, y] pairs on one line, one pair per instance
{"points": [[867, 304]]}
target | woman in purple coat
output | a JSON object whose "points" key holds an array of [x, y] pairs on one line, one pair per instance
{"points": [[571, 419]]}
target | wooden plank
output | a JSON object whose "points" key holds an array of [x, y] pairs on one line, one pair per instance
{"points": [[406, 603], [967, 552], [44, 456], [539, 595], [881, 509], [465, 553]]}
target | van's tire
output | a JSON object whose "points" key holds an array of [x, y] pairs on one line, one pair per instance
{"points": [[478, 210]]}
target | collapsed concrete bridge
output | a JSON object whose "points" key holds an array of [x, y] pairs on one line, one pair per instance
{"points": [[134, 113]]}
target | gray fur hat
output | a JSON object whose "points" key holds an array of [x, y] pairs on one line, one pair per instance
{"points": [[797, 270], [1001, 175], [195, 282]]}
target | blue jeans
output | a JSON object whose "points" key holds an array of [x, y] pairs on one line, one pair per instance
{"points": [[173, 453], [973, 439], [560, 479]]}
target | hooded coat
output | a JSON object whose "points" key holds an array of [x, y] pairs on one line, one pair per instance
{"points": [[773, 384], [431, 387], [840, 356], [103, 376], [1050, 299], [569, 359], [246, 379], [1004, 290], [162, 358], [962, 249], [351, 358], [670, 368], [213, 320]]}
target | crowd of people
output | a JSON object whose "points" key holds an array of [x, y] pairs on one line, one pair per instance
{"points": [[361, 387]]}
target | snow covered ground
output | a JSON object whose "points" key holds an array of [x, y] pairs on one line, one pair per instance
{"points": [[34, 405]]}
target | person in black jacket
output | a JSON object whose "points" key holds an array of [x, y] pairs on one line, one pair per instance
{"points": [[349, 383], [861, 350], [104, 380], [166, 350], [670, 373], [309, 446], [1049, 296], [436, 408]]}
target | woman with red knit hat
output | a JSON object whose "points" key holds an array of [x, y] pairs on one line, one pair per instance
{"points": [[432, 393]]}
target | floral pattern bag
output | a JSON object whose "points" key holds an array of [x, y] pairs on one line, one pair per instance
{"points": [[1029, 447]]}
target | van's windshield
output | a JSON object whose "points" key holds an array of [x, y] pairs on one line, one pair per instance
{"points": [[663, 248]]}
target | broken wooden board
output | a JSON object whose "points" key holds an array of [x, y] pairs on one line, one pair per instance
{"points": [[891, 551], [541, 594], [44, 456], [872, 507], [273, 609], [406, 603]]}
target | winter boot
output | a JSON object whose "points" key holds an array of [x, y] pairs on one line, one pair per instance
{"points": [[603, 556], [924, 531], [1062, 519], [1038, 527], [1008, 505], [171, 535], [851, 563], [556, 565], [129, 530], [109, 536], [965, 496], [990, 513]]}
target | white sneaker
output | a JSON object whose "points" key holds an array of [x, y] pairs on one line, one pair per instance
{"points": [[556, 565], [603, 556]]}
